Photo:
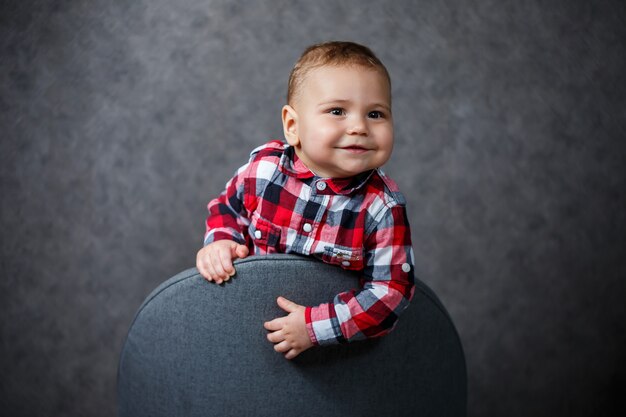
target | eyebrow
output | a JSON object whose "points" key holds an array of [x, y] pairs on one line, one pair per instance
{"points": [[343, 101]]}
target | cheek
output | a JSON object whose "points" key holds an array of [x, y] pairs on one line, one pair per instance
{"points": [[385, 135], [325, 135], [319, 129], [328, 129]]}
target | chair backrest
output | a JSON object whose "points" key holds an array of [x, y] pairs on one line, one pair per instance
{"points": [[200, 349]]}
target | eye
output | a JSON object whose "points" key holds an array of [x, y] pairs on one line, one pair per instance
{"points": [[375, 115], [337, 111]]}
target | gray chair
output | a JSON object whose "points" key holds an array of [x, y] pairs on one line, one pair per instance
{"points": [[200, 349]]}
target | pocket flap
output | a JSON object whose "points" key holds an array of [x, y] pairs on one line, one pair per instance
{"points": [[264, 232], [347, 258]]}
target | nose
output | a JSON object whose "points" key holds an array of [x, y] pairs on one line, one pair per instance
{"points": [[358, 126]]}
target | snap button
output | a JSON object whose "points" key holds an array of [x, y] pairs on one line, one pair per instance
{"points": [[321, 185], [258, 234], [406, 267], [307, 227], [345, 263]]}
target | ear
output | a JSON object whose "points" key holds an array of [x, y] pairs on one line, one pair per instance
{"points": [[290, 125]]}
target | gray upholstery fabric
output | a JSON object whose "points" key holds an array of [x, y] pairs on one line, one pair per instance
{"points": [[199, 349]]}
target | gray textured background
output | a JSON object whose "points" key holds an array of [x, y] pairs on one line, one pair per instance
{"points": [[120, 120]]}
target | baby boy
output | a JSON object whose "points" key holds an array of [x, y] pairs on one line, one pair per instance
{"points": [[322, 194]]}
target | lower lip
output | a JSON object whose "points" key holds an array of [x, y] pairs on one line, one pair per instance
{"points": [[356, 150]]}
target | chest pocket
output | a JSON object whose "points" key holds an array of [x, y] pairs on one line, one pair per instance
{"points": [[351, 258], [264, 234]]}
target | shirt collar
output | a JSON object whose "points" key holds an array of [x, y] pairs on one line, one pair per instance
{"points": [[293, 166]]}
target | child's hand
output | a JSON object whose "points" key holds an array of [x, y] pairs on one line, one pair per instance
{"points": [[289, 333], [215, 260]]}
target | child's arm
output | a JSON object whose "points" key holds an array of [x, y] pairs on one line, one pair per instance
{"points": [[387, 286], [226, 230]]}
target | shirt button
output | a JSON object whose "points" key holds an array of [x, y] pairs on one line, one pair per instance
{"points": [[258, 234], [307, 227], [406, 267], [345, 263], [321, 185]]}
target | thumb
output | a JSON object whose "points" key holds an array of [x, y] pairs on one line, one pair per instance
{"points": [[238, 251], [288, 306]]}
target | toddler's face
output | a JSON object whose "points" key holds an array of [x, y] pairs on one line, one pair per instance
{"points": [[342, 121]]}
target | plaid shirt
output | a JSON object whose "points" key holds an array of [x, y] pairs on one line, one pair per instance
{"points": [[275, 204]]}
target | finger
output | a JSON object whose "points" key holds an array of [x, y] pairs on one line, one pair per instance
{"points": [[292, 354], [210, 271], [282, 347], [201, 269], [217, 266], [276, 324], [227, 264], [205, 273], [276, 337], [241, 251], [288, 306]]}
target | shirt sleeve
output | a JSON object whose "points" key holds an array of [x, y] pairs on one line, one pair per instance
{"points": [[387, 286], [228, 216]]}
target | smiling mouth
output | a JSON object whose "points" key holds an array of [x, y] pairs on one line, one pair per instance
{"points": [[355, 149]]}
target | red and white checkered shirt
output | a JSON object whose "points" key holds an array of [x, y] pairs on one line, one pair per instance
{"points": [[275, 204]]}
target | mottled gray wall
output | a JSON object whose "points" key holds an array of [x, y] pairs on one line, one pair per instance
{"points": [[120, 120]]}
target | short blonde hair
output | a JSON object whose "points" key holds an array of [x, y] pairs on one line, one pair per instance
{"points": [[335, 53]]}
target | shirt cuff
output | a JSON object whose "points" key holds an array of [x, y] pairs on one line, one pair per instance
{"points": [[214, 235], [309, 326], [323, 326]]}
